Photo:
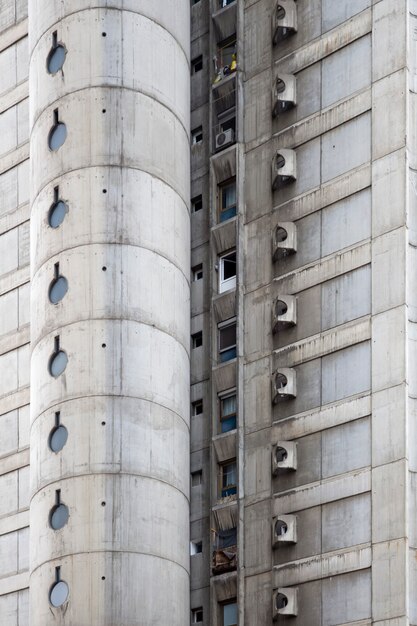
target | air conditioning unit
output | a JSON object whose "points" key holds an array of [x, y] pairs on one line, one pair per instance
{"points": [[284, 530], [225, 138], [284, 20], [284, 240], [284, 168], [284, 384], [284, 312], [284, 457], [285, 602], [283, 94]]}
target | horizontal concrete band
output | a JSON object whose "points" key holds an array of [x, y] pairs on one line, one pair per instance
{"points": [[14, 96], [15, 339], [14, 461], [327, 44], [323, 566], [14, 218], [325, 269], [15, 400], [327, 342], [336, 189], [13, 34], [326, 417], [11, 523], [12, 584], [14, 157], [321, 492]]}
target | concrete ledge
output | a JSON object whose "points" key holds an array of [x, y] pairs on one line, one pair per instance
{"points": [[13, 34], [15, 339], [339, 37], [327, 417], [15, 461], [14, 279], [333, 191], [320, 492], [14, 218], [14, 96], [14, 583], [324, 120], [13, 158], [14, 400], [329, 341], [320, 271], [11, 523], [323, 566]]}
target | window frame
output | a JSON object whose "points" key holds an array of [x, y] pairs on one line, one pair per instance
{"points": [[197, 200], [197, 339], [197, 62], [228, 416], [195, 272], [225, 284], [224, 211], [195, 614], [227, 487], [198, 473], [195, 133], [230, 352], [224, 604], [195, 405]]}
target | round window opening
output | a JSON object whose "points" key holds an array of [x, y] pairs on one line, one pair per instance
{"points": [[280, 86], [281, 601], [58, 438], [58, 289], [280, 12], [59, 594], [59, 516], [57, 136], [280, 454], [281, 308], [56, 59], [280, 528], [280, 234], [281, 381], [57, 214], [280, 161], [58, 363]]}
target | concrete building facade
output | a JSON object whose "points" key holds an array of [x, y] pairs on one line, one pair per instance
{"points": [[208, 277]]}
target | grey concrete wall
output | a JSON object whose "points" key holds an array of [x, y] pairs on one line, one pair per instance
{"points": [[123, 247]]}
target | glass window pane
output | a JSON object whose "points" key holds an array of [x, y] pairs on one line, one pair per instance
{"points": [[230, 614], [227, 424], [58, 289], [57, 136], [57, 214], [228, 337], [56, 59], [59, 516], [59, 594], [229, 266], [58, 438], [58, 363], [228, 405]]}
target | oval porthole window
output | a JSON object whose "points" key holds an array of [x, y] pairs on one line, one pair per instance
{"points": [[280, 454], [59, 594], [280, 307], [279, 161], [58, 438], [281, 601], [281, 528], [280, 234], [58, 363], [59, 516], [56, 59], [57, 214], [57, 136], [280, 86], [281, 381], [280, 12], [58, 289]]}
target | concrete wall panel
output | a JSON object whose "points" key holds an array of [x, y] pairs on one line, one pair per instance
{"points": [[346, 372]]}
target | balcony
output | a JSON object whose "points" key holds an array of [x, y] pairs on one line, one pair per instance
{"points": [[224, 560]]}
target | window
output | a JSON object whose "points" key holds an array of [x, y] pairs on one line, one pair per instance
{"points": [[197, 65], [226, 54], [194, 2], [197, 204], [197, 407], [227, 271], [225, 3], [227, 412], [196, 478], [228, 479], [56, 57], [227, 200], [197, 272], [196, 547], [197, 135], [227, 341], [197, 615], [227, 538], [57, 211], [229, 614], [197, 340]]}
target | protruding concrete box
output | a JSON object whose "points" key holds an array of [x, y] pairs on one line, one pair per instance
{"points": [[123, 323]]}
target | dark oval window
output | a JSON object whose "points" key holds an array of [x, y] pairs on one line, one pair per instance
{"points": [[280, 307], [280, 85], [59, 593], [56, 59], [58, 363], [280, 528], [280, 234], [280, 454], [58, 438], [58, 289], [280, 12], [281, 601], [279, 161], [57, 214], [57, 136], [281, 381], [59, 516]]}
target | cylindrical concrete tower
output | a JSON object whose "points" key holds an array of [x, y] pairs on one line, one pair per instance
{"points": [[110, 265]]}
